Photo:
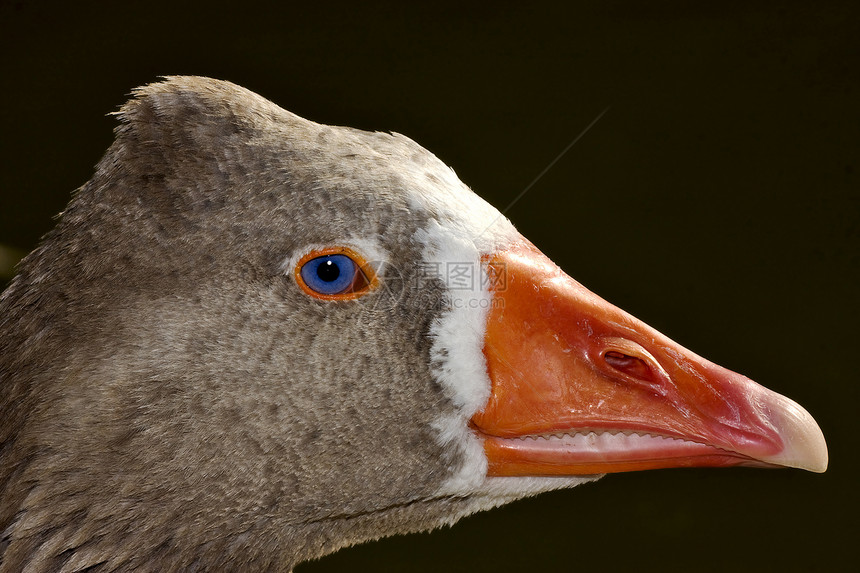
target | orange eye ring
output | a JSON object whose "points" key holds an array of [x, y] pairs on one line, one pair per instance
{"points": [[363, 281]]}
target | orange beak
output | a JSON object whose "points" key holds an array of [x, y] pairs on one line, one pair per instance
{"points": [[581, 387]]}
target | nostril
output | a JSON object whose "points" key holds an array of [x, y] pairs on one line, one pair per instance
{"points": [[630, 365], [629, 362]]}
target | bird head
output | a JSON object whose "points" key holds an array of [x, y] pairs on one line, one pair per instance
{"points": [[252, 339]]}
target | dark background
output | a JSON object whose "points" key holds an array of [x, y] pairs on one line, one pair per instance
{"points": [[717, 200]]}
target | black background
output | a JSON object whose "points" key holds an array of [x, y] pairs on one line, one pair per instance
{"points": [[717, 200]]}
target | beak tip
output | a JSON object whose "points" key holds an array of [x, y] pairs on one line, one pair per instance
{"points": [[804, 444]]}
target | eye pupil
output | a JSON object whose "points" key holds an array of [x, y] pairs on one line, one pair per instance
{"points": [[328, 271]]}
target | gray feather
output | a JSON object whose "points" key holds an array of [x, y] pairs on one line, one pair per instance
{"points": [[171, 399]]}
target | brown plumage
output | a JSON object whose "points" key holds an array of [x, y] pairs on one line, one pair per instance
{"points": [[160, 380]]}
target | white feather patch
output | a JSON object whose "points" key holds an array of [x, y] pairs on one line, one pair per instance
{"points": [[463, 229]]}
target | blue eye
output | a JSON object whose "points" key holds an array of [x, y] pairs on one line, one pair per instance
{"points": [[335, 273], [331, 275]]}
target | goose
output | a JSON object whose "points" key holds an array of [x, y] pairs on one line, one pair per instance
{"points": [[252, 340]]}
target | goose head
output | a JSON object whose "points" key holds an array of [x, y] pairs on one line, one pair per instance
{"points": [[253, 339]]}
